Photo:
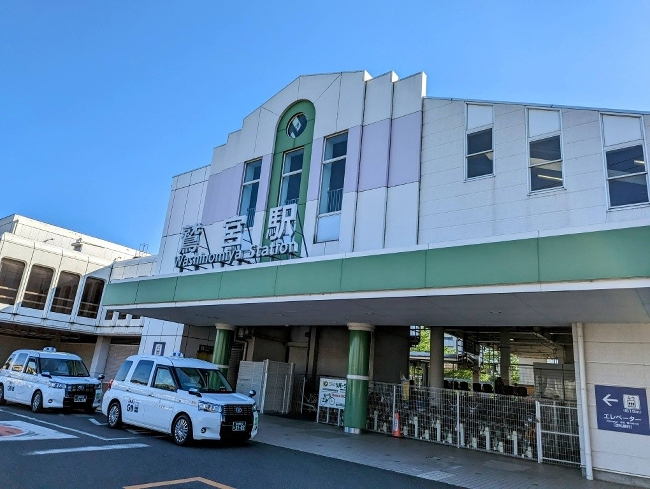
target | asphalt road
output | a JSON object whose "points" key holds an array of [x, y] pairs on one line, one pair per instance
{"points": [[56, 450]]}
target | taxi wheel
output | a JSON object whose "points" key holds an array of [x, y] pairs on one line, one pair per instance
{"points": [[2, 394], [37, 402], [182, 430], [114, 415]]}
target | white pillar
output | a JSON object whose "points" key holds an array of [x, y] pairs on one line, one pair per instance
{"points": [[100, 355], [437, 358]]}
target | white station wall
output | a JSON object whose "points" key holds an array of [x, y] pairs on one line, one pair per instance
{"points": [[617, 355]]}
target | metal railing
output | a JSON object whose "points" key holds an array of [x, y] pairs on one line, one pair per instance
{"points": [[546, 431]]}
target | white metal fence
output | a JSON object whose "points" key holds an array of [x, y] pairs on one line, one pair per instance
{"points": [[542, 430]]}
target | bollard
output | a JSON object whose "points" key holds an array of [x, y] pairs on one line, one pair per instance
{"points": [[438, 431], [474, 442], [417, 431], [426, 435], [449, 438], [500, 447], [515, 450], [461, 435], [487, 437], [376, 416]]}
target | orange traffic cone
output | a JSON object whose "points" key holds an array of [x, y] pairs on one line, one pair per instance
{"points": [[397, 430]]}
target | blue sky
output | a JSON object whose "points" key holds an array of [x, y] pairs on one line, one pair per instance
{"points": [[102, 103]]}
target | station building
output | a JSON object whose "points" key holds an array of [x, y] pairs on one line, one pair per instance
{"points": [[52, 282], [349, 208]]}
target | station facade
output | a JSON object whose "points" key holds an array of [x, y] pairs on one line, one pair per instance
{"points": [[348, 208]]}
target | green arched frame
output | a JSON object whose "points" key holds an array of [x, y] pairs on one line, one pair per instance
{"points": [[284, 143]]}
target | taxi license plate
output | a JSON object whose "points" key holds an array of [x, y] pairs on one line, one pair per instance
{"points": [[239, 426], [79, 398]]}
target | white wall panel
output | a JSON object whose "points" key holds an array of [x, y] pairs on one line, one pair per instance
{"points": [[402, 215], [283, 99], [327, 106], [348, 213], [407, 95], [266, 132], [543, 121], [168, 214], [199, 175], [479, 115], [332, 248], [311, 87], [193, 204], [621, 129], [218, 159], [311, 209], [248, 136], [183, 180], [379, 97], [178, 210], [232, 150], [351, 101], [369, 222], [509, 114], [168, 249], [617, 354]]}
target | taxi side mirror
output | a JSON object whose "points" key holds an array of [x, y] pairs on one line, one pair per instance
{"points": [[252, 393], [46, 374], [195, 392], [101, 377]]}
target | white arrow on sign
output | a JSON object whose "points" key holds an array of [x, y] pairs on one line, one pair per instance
{"points": [[608, 401]]}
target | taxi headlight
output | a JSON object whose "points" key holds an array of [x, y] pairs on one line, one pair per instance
{"points": [[56, 385], [209, 407]]}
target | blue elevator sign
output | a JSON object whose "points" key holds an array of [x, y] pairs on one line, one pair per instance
{"points": [[623, 409]]}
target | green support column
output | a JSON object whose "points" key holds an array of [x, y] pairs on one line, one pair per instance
{"points": [[356, 392], [222, 344]]}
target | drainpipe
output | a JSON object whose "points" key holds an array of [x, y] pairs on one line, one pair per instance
{"points": [[583, 401]]}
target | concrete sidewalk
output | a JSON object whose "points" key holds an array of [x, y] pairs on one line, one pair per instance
{"points": [[457, 466]]}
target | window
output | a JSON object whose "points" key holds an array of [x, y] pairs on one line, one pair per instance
{"points": [[331, 190], [545, 163], [91, 298], [291, 175], [31, 368], [480, 149], [626, 169], [142, 372], [11, 273], [545, 149], [135, 316], [38, 286], [626, 176], [121, 316], [163, 379], [65, 292], [18, 363], [109, 315], [124, 369], [7, 364], [249, 190]]}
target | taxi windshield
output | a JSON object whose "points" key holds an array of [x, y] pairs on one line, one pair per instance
{"points": [[202, 379], [63, 367]]}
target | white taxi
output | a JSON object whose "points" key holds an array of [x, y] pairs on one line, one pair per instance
{"points": [[49, 379], [185, 397]]}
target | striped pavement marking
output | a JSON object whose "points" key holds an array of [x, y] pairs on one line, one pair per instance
{"points": [[207, 482], [123, 446]]}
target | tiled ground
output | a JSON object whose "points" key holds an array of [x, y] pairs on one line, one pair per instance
{"points": [[457, 466]]}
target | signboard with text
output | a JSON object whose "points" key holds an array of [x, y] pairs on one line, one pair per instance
{"points": [[331, 393], [622, 409]]}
